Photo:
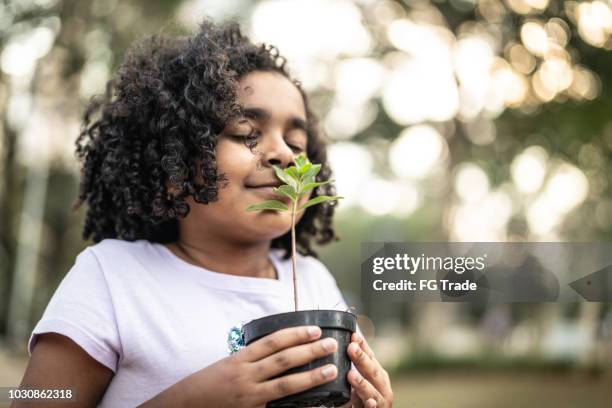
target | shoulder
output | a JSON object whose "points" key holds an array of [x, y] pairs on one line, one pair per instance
{"points": [[112, 257], [118, 246], [116, 251], [92, 265], [310, 263]]}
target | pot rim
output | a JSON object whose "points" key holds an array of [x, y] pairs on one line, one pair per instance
{"points": [[326, 319]]}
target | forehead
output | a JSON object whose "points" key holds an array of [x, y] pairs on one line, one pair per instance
{"points": [[273, 92]]}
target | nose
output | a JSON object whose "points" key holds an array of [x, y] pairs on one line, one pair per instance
{"points": [[277, 152]]}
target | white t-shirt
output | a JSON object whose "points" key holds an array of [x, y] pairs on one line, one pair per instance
{"points": [[154, 319]]}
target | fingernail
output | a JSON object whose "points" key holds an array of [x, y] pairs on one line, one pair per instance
{"points": [[329, 344], [358, 337], [358, 378], [328, 371], [313, 331], [371, 403]]}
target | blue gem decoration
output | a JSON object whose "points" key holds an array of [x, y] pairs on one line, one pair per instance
{"points": [[235, 339]]}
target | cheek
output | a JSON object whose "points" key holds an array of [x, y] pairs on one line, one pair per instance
{"points": [[236, 161]]}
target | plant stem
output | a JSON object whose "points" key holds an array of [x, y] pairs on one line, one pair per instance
{"points": [[295, 291]]}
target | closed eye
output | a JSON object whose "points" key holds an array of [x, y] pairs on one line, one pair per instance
{"points": [[249, 139], [295, 148], [296, 139], [249, 136]]}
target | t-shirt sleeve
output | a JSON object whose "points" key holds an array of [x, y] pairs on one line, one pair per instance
{"points": [[81, 309]]}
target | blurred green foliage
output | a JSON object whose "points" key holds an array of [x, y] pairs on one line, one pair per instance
{"points": [[563, 127]]}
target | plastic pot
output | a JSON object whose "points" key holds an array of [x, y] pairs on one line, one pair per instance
{"points": [[333, 323]]}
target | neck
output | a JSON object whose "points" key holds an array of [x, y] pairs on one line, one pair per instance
{"points": [[226, 257]]}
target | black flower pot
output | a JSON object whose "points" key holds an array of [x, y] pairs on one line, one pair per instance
{"points": [[333, 323]]}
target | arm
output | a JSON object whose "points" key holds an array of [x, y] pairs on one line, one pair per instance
{"points": [[249, 377], [245, 379], [59, 363]]}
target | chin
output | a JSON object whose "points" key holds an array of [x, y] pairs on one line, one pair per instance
{"points": [[271, 224]]}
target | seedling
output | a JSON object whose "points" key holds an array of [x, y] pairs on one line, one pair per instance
{"points": [[299, 180]]}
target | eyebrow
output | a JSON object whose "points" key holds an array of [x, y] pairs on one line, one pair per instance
{"points": [[259, 114]]}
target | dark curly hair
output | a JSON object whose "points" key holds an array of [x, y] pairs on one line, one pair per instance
{"points": [[158, 123]]}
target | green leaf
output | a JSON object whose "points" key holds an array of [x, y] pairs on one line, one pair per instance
{"points": [[268, 205], [318, 200], [284, 177], [293, 173], [307, 180], [287, 190], [309, 186], [311, 172], [304, 168], [300, 161]]}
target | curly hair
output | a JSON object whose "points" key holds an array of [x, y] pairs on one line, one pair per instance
{"points": [[158, 123]]}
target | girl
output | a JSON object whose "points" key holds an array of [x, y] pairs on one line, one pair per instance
{"points": [[181, 144]]}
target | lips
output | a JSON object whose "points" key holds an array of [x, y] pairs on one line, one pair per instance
{"points": [[266, 191], [270, 184]]}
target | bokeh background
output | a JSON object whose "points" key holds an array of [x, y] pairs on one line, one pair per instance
{"points": [[458, 120]]}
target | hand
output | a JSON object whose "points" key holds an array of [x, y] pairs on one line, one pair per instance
{"points": [[244, 378], [370, 382]]}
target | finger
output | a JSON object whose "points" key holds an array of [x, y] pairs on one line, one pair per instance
{"points": [[365, 390], [370, 368], [358, 338], [293, 357], [279, 340], [355, 401], [294, 383], [370, 404], [386, 390]]}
